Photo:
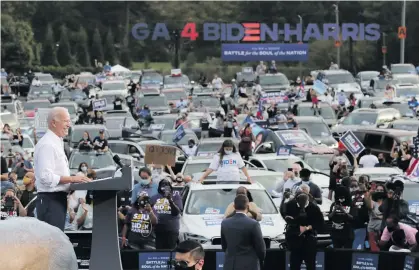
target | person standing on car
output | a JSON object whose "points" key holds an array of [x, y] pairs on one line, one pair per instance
{"points": [[216, 128], [168, 207], [304, 219], [229, 125], [217, 83], [368, 160], [359, 197], [253, 211], [227, 163], [341, 218], [190, 149], [139, 222], [246, 140]]}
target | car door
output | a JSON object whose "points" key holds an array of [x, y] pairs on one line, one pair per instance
{"points": [[256, 163]]}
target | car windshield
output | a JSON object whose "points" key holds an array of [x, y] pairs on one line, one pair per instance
{"points": [[402, 69], [152, 79], [319, 162], [407, 91], [325, 111], [410, 79], [27, 143], [8, 107], [77, 135], [218, 199], [192, 168], [282, 165], [295, 137], [315, 129], [247, 77], [30, 106], [45, 78], [113, 86], [175, 95], [368, 76], [129, 122], [206, 101], [360, 119], [114, 123], [382, 84], [168, 138], [279, 79], [406, 126], [168, 123], [44, 89], [153, 101], [268, 181], [8, 118], [340, 78], [176, 79], [93, 160]]}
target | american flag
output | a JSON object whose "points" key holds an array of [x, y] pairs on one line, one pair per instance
{"points": [[413, 170]]}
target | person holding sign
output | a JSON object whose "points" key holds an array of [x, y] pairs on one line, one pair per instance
{"points": [[227, 163], [139, 221], [86, 143], [100, 143]]}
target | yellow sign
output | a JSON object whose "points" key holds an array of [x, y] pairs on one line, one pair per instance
{"points": [[402, 32]]}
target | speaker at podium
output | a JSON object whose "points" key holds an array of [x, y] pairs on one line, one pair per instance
{"points": [[105, 252]]}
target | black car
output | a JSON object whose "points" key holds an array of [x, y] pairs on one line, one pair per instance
{"points": [[20, 85]]}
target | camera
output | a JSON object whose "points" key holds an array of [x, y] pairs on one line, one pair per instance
{"points": [[144, 201], [9, 203]]}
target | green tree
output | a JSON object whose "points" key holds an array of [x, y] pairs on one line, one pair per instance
{"points": [[49, 53], [109, 48], [125, 57], [81, 48], [64, 51], [96, 50]]}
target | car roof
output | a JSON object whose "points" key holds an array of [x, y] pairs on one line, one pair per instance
{"points": [[151, 142], [368, 71], [272, 156], [378, 110], [306, 104], [406, 121], [272, 74], [38, 100], [339, 71], [304, 119], [377, 170], [113, 81], [396, 76], [198, 159]]}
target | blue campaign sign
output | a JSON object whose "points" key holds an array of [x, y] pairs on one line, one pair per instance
{"points": [[99, 104], [364, 261], [180, 133], [414, 206], [352, 143], [319, 261], [219, 260], [264, 52], [320, 87], [284, 150], [409, 263], [154, 260]]}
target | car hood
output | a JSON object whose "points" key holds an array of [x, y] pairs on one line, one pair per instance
{"points": [[347, 87], [275, 86], [343, 128], [113, 93], [331, 121], [327, 140], [313, 149], [209, 226]]}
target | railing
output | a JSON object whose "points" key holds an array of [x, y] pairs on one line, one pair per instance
{"points": [[327, 259]]}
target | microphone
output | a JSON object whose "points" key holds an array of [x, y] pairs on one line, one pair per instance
{"points": [[117, 160]]}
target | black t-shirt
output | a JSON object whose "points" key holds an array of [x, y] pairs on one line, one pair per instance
{"points": [[340, 219], [359, 210], [99, 121], [4, 168], [403, 164], [85, 144], [26, 197], [100, 143]]}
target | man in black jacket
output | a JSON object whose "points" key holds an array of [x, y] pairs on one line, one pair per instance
{"points": [[314, 189], [304, 219], [244, 249]]}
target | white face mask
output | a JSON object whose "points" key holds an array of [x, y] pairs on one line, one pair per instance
{"points": [[228, 152], [84, 169]]}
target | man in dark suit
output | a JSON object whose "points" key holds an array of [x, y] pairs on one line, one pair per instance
{"points": [[242, 240]]}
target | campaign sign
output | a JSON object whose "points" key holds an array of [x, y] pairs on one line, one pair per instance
{"points": [[264, 52], [320, 87], [364, 261], [352, 143], [154, 260], [414, 206], [180, 133], [409, 263], [284, 150], [99, 104], [213, 220], [319, 261], [156, 127], [219, 260]]}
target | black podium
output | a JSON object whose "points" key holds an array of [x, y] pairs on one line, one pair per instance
{"points": [[105, 252]]}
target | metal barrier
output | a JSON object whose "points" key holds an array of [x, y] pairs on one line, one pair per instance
{"points": [[327, 259]]}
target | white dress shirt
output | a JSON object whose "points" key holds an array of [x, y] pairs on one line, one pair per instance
{"points": [[51, 163], [189, 151]]}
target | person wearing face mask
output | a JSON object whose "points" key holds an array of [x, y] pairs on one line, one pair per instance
{"points": [[85, 143], [117, 104], [359, 197], [189, 255], [139, 222], [84, 215], [392, 224], [341, 218], [246, 139], [158, 173], [288, 182], [229, 125], [272, 110], [304, 219], [227, 163], [145, 185], [29, 193], [253, 211], [168, 206], [382, 161], [402, 155], [22, 166], [178, 181], [314, 189], [374, 201], [190, 149]]}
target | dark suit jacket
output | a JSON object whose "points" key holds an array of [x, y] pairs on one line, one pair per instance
{"points": [[242, 242]]}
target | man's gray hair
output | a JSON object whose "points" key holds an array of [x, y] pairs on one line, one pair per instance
{"points": [[55, 112], [27, 243], [305, 187]]}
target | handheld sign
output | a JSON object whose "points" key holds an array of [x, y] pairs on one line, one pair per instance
{"points": [[160, 154], [247, 70], [99, 104], [320, 87], [284, 150], [176, 72], [352, 143], [180, 133]]}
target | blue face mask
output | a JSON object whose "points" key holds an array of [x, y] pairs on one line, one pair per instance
{"points": [[144, 182]]}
